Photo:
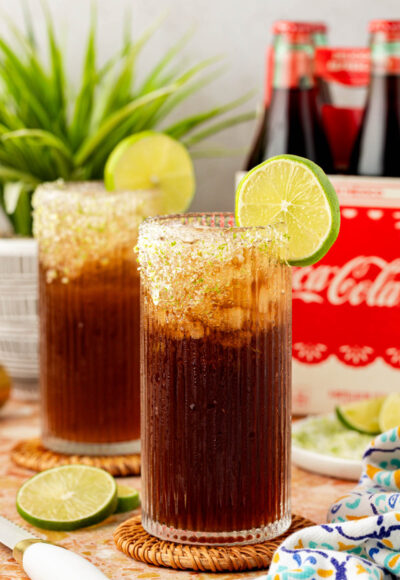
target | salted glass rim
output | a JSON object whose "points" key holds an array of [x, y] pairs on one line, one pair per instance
{"points": [[80, 222], [172, 220], [89, 187], [173, 254]]}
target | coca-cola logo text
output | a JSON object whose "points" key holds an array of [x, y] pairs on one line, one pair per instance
{"points": [[368, 280]]}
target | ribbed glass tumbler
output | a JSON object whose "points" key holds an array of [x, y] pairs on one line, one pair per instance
{"points": [[216, 380], [89, 300]]}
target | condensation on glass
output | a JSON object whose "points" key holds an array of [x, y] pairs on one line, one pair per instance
{"points": [[216, 380], [89, 300]]}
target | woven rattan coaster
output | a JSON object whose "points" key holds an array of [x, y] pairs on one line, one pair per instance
{"points": [[32, 455], [133, 540]]}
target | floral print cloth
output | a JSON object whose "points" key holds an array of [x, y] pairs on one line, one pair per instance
{"points": [[361, 540]]}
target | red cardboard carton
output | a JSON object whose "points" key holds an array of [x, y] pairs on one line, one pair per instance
{"points": [[346, 308]]}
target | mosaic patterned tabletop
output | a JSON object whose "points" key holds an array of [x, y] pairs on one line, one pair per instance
{"points": [[311, 496]]}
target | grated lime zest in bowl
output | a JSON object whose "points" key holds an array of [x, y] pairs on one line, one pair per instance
{"points": [[324, 434]]}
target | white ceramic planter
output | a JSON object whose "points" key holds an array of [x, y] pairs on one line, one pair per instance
{"points": [[19, 323]]}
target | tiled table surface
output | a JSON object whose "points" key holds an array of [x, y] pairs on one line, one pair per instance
{"points": [[311, 496]]}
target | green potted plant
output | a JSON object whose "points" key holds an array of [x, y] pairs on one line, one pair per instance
{"points": [[47, 133]]}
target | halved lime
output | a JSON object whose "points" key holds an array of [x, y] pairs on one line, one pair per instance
{"points": [[128, 498], [151, 160], [67, 497], [293, 190], [363, 416], [389, 416]]}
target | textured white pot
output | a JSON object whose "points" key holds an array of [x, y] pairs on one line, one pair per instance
{"points": [[19, 323]]}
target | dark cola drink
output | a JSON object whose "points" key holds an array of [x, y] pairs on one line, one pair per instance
{"points": [[89, 299], [291, 123], [216, 381], [320, 39], [377, 148]]}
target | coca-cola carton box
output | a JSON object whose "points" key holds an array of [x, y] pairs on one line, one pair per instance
{"points": [[346, 308]]}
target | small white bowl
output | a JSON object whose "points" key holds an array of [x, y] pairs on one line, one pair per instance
{"points": [[324, 464]]}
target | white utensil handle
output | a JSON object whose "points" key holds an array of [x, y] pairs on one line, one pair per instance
{"points": [[47, 562]]}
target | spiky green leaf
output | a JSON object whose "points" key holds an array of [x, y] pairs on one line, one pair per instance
{"points": [[46, 132], [181, 128], [83, 109], [113, 122]]}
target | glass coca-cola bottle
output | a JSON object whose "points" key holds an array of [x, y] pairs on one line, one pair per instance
{"points": [[377, 147], [319, 34], [320, 40], [291, 123]]}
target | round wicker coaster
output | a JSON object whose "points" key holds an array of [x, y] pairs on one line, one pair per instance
{"points": [[32, 455], [131, 538]]}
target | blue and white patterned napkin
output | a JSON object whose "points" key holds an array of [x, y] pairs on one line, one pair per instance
{"points": [[361, 540]]}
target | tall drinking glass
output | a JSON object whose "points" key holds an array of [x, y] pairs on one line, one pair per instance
{"points": [[89, 300], [216, 380]]}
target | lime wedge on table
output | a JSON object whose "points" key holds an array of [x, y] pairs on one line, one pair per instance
{"points": [[295, 191], [151, 160], [128, 498], [67, 497], [363, 416], [389, 416]]}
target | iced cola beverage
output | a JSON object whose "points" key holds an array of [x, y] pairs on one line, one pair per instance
{"points": [[216, 380], [89, 300]]}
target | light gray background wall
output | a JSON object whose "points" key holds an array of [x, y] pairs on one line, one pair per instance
{"points": [[238, 29]]}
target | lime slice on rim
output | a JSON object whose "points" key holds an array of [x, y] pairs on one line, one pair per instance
{"points": [[151, 160], [128, 498], [363, 416], [293, 190], [389, 417], [67, 497]]}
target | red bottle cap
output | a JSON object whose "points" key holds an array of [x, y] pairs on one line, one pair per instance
{"points": [[384, 26], [319, 27], [291, 27]]}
